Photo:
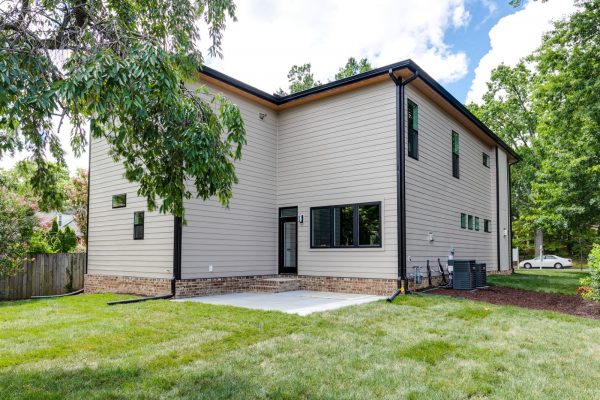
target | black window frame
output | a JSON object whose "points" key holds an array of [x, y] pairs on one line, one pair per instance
{"points": [[456, 155], [470, 222], [477, 224], [355, 228], [487, 226], [114, 196], [486, 160], [463, 221], [413, 133], [138, 224]]}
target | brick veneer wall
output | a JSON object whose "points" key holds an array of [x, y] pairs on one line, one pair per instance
{"points": [[207, 286], [381, 287], [126, 284]]}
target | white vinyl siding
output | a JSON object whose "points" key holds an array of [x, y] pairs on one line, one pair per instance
{"points": [[435, 199], [112, 249], [341, 150], [504, 223], [242, 239]]}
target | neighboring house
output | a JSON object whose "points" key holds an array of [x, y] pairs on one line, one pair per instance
{"points": [[328, 193], [63, 219]]}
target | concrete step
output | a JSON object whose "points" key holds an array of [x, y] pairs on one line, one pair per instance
{"points": [[275, 285]]}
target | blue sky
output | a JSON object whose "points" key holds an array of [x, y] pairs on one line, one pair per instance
{"points": [[458, 42]]}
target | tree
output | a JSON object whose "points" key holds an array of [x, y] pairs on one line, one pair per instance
{"points": [[77, 193], [17, 221], [120, 67], [300, 78], [353, 67], [26, 176]]}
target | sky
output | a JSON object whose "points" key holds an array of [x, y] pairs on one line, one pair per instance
{"points": [[458, 42]]}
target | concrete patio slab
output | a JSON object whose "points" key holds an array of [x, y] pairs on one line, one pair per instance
{"points": [[301, 302]]}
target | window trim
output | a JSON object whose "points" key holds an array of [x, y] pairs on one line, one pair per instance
{"points": [[355, 227], [413, 134], [456, 155], [463, 221], [135, 225], [117, 195], [477, 224], [470, 222], [487, 226]]}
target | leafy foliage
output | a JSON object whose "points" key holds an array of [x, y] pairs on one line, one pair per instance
{"points": [[120, 67], [55, 240], [17, 221], [300, 78], [77, 192], [593, 281], [353, 67]]}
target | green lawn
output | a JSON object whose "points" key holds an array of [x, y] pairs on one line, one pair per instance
{"points": [[420, 347], [564, 281]]}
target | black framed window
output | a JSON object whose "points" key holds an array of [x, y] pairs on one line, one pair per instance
{"points": [[487, 225], [470, 219], [347, 225], [476, 223], [413, 130], [463, 220], [486, 160], [138, 225], [455, 156], [119, 200]]}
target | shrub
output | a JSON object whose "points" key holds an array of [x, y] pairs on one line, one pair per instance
{"points": [[17, 220], [593, 281]]}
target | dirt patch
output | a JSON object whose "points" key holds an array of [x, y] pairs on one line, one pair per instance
{"points": [[573, 305]]}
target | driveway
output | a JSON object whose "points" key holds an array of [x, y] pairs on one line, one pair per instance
{"points": [[301, 302]]}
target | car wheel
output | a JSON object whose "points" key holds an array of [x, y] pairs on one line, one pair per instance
{"points": [[558, 266], [527, 265]]}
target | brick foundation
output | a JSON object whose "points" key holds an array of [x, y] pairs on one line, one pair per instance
{"points": [[126, 285], [207, 286], [381, 287]]}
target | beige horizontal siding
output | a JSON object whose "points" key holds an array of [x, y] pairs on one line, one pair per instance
{"points": [[112, 250]]}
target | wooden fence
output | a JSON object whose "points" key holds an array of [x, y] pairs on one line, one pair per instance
{"points": [[47, 274]]}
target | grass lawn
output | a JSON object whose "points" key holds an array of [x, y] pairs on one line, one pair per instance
{"points": [[420, 347], [564, 281]]}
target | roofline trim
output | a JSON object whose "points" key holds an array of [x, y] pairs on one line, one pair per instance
{"points": [[406, 64]]}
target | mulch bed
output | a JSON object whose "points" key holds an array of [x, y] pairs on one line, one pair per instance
{"points": [[573, 305]]}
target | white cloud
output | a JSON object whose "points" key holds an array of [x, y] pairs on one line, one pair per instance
{"points": [[272, 35], [515, 36]]}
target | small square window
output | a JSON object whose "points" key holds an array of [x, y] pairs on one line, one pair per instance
{"points": [[487, 225], [119, 200], [463, 220], [476, 223], [138, 225], [470, 222], [486, 160]]}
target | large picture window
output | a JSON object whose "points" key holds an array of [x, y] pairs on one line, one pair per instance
{"points": [[348, 225], [413, 130], [455, 156]]}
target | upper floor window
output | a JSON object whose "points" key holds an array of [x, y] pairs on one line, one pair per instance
{"points": [[138, 225], [470, 222], [119, 200], [486, 160], [487, 225], [413, 130], [463, 220], [455, 156]]}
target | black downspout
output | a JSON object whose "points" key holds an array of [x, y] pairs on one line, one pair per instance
{"points": [[400, 179], [497, 211], [177, 229]]}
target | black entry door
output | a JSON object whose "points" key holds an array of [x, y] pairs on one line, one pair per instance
{"points": [[288, 240]]}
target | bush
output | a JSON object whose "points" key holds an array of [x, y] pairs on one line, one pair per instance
{"points": [[592, 282], [54, 240], [17, 220]]}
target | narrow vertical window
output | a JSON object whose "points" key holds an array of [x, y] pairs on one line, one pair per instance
{"points": [[138, 225], [470, 222], [463, 220], [413, 130], [486, 160], [487, 225], [343, 226], [369, 224], [476, 223], [455, 156]]}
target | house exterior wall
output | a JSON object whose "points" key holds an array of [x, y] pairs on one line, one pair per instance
{"points": [[111, 248], [240, 240], [504, 201], [435, 199], [341, 150]]}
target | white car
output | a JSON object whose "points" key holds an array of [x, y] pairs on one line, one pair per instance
{"points": [[549, 261]]}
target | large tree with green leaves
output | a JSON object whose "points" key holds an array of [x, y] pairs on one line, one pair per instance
{"points": [[120, 67], [353, 67]]}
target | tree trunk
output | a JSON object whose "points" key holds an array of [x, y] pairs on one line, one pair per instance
{"points": [[538, 242]]}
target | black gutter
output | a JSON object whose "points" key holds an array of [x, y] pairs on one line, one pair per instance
{"points": [[177, 230], [510, 235], [497, 211], [406, 64], [87, 210], [400, 176]]}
